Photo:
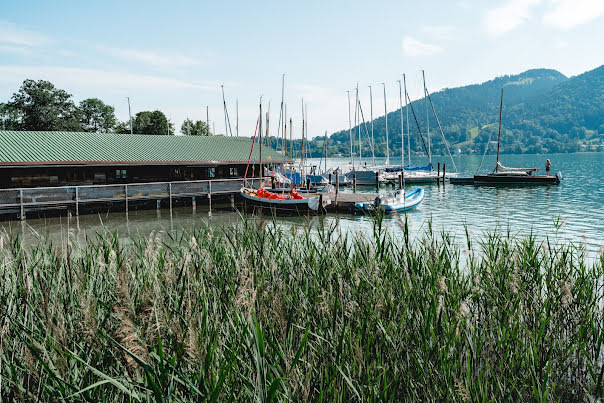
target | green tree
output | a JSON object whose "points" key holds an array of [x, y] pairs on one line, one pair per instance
{"points": [[97, 116], [42, 106], [155, 122], [194, 128], [9, 117], [122, 127]]}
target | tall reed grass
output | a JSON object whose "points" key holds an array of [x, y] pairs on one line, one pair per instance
{"points": [[259, 312]]}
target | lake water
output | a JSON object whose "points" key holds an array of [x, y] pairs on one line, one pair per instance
{"points": [[577, 204]]}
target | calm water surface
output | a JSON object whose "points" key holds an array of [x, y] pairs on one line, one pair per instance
{"points": [[577, 204]]}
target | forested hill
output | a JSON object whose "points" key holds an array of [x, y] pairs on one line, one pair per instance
{"points": [[543, 112]]}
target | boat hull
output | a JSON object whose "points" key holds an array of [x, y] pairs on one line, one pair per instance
{"points": [[311, 205], [516, 180]]}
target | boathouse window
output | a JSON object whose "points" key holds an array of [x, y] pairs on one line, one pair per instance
{"points": [[120, 173], [233, 171], [211, 172]]}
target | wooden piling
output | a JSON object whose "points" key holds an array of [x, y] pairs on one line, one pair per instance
{"points": [[354, 182], [337, 190], [170, 192], [210, 195], [444, 169], [194, 203], [126, 196], [377, 179], [77, 200], [21, 202], [400, 181], [438, 173], [330, 179]]}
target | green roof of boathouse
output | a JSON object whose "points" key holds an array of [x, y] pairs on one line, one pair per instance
{"points": [[22, 148]]}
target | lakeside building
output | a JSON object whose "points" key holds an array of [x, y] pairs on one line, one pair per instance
{"points": [[71, 172], [47, 159]]}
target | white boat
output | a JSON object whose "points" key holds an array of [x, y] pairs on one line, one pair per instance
{"points": [[394, 202]]}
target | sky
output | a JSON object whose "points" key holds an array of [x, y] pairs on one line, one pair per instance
{"points": [[175, 56]]}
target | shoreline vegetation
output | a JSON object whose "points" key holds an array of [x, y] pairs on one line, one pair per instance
{"points": [[258, 312]]}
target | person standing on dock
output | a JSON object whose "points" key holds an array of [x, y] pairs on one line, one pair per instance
{"points": [[548, 165]]}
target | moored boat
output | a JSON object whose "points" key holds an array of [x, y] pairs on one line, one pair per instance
{"points": [[286, 203], [394, 202], [502, 175]]}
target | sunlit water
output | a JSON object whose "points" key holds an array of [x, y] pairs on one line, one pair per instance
{"points": [[572, 211]]}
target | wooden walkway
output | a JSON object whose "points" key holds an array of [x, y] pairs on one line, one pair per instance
{"points": [[344, 202]]}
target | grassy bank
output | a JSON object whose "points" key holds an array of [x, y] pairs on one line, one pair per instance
{"points": [[255, 312]]}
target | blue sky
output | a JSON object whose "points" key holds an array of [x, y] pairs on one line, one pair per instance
{"points": [[173, 56]]}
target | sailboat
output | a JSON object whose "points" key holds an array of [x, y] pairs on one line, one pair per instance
{"points": [[365, 174], [502, 175], [283, 203]]}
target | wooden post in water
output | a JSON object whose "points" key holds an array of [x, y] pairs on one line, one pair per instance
{"points": [[444, 169], [126, 196], [170, 191], [77, 197], [194, 203], [21, 202], [400, 181], [354, 182], [210, 194], [330, 179], [438, 173], [377, 179], [337, 190]]}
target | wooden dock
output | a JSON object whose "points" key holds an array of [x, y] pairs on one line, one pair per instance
{"points": [[344, 202]]}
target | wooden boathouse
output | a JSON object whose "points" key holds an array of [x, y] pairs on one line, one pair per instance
{"points": [[44, 171]]}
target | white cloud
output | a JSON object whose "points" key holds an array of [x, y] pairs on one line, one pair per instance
{"points": [[568, 14], [71, 77], [441, 32], [15, 35], [414, 47], [505, 18], [162, 60]]}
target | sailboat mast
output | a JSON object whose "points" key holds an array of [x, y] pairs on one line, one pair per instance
{"points": [[499, 134], [260, 142], [427, 121], [357, 122], [325, 151], [371, 116], [226, 127], [400, 99], [350, 130], [302, 150], [386, 116], [408, 132], [285, 130]]}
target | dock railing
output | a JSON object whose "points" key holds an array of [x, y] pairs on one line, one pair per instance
{"points": [[20, 200]]}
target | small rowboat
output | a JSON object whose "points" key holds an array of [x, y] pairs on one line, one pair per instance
{"points": [[290, 203], [394, 202]]}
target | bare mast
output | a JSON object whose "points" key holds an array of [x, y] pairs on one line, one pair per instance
{"points": [[371, 117], [350, 130], [427, 121], [400, 98], [499, 135], [357, 122], [386, 116], [408, 132]]}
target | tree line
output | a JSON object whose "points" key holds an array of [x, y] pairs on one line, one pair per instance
{"points": [[40, 106]]}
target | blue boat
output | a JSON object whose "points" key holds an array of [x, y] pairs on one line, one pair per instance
{"points": [[394, 202]]}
